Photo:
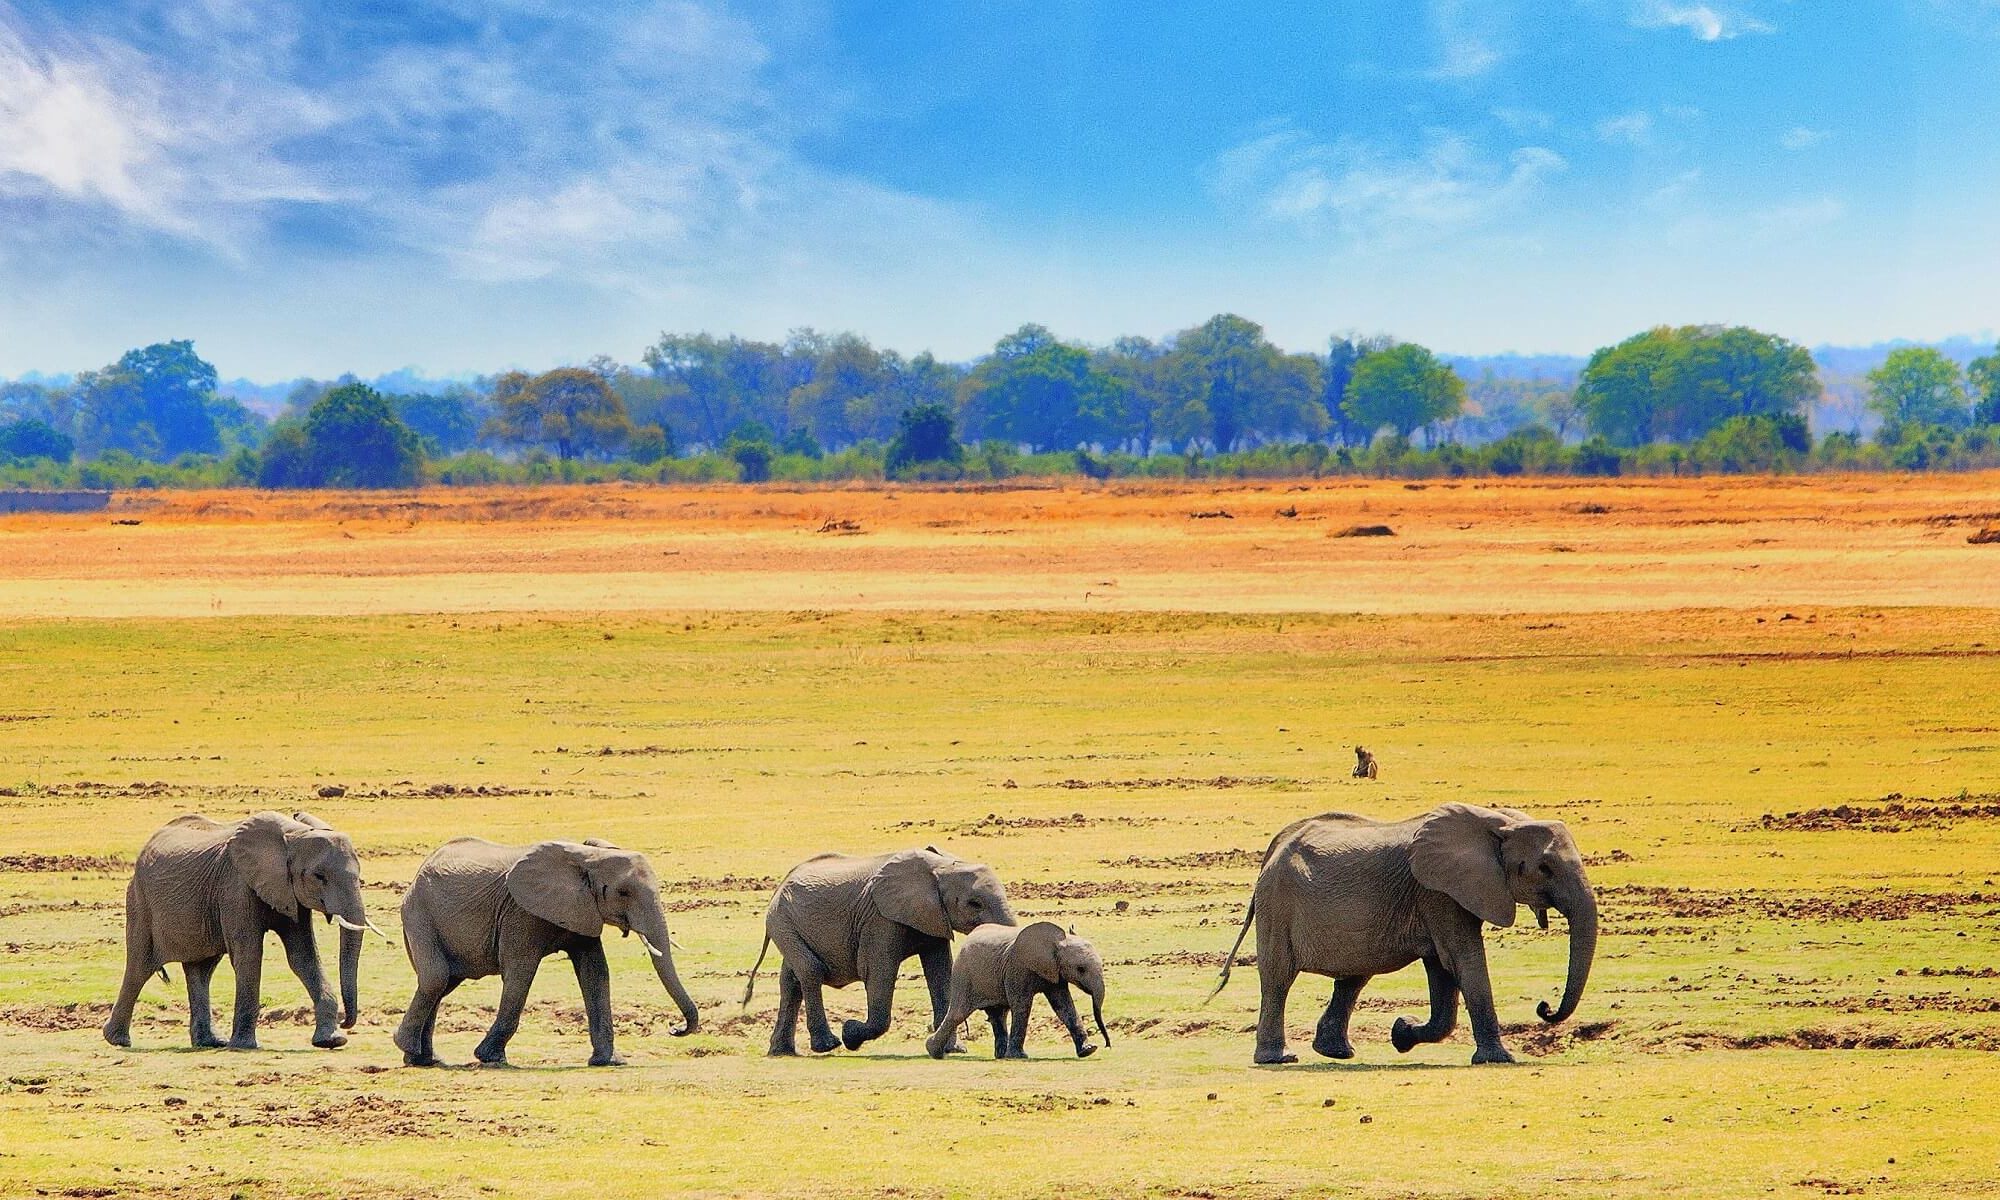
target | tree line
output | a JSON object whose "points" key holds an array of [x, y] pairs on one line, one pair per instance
{"points": [[1218, 398]]}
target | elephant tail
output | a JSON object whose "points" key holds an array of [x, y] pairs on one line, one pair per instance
{"points": [[1230, 961], [751, 985], [162, 969]]}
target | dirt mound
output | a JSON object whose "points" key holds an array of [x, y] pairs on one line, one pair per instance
{"points": [[55, 1018], [729, 883], [1819, 1038], [994, 824], [1364, 531], [1894, 813], [57, 864], [1199, 860], [1094, 889], [1687, 903], [647, 751], [1540, 1040], [1219, 782]]}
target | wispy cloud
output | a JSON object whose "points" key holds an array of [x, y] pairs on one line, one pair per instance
{"points": [[1801, 138], [1374, 198], [1633, 128], [1707, 22], [1470, 35]]}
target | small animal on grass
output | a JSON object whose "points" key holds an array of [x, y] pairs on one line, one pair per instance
{"points": [[477, 908], [1364, 764], [839, 919], [201, 889], [1351, 898], [1001, 969]]}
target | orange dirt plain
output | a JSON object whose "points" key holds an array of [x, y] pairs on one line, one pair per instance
{"points": [[1454, 547]]}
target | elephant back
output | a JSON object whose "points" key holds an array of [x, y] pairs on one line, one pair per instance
{"points": [[821, 902], [459, 890]]}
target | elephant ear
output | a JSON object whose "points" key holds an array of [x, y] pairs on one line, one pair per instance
{"points": [[1034, 951], [258, 852], [600, 843], [550, 882], [905, 890], [1457, 852], [306, 818]]}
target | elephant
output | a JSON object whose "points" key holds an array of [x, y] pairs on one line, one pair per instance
{"points": [[839, 918], [1350, 897], [478, 908], [201, 889], [1000, 970]]}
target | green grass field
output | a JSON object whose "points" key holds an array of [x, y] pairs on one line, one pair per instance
{"points": [[1799, 1006]]}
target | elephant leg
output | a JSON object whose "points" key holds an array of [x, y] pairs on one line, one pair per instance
{"points": [[996, 1016], [1018, 1008], [139, 967], [413, 1036], [881, 987], [1469, 965], [593, 977], [1406, 1034], [1064, 1006], [515, 979], [936, 960], [811, 975], [246, 958], [1275, 974], [1330, 1039], [784, 1035], [303, 956], [201, 1017]]}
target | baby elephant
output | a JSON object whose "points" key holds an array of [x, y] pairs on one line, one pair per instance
{"points": [[1001, 970]]}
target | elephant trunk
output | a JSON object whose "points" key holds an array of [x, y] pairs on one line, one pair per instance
{"points": [[1580, 909], [1097, 1012], [350, 973], [651, 926]]}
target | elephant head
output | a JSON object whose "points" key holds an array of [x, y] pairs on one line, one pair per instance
{"points": [[584, 886], [938, 894], [1058, 957], [301, 864], [1490, 860]]}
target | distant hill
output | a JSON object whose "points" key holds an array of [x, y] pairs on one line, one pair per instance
{"points": [[269, 399]]}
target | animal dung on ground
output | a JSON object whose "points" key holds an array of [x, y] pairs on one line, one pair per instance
{"points": [[1366, 531], [1988, 536], [1213, 514]]}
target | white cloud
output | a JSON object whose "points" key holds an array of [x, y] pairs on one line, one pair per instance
{"points": [[1633, 128], [1801, 138], [1469, 35], [1375, 199], [1708, 23]]}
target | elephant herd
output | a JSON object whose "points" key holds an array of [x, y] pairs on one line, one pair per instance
{"points": [[1337, 895]]}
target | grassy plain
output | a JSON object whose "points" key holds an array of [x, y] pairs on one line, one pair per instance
{"points": [[1718, 685]]}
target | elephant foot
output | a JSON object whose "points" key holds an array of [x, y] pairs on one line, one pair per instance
{"points": [[1086, 1050], [332, 1041], [1274, 1058], [491, 1056], [1016, 1054], [243, 1043], [118, 1037], [206, 1041], [606, 1060], [956, 1047], [1327, 1047], [1497, 1054], [936, 1049], [1403, 1035], [782, 1052], [824, 1045], [853, 1035], [419, 1060]]}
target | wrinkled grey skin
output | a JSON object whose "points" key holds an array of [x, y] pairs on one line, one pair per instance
{"points": [[1350, 897], [201, 890], [838, 919], [1001, 969], [477, 908]]}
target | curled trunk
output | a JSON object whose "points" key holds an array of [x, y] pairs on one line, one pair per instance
{"points": [[1581, 912], [652, 927]]}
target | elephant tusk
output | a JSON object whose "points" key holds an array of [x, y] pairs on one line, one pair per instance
{"points": [[370, 927], [651, 949], [674, 941]]}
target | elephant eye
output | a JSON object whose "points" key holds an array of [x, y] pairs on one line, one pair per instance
{"points": [[1548, 871], [319, 874]]}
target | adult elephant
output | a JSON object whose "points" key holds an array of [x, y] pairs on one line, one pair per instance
{"points": [[201, 889], [839, 919], [1350, 897], [477, 908]]}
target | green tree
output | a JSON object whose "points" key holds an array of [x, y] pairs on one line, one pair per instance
{"points": [[1983, 377], [1404, 387], [1343, 354], [351, 438], [925, 441], [1038, 390], [32, 437], [157, 402], [570, 409], [1676, 385], [445, 421], [1244, 385], [1917, 385]]}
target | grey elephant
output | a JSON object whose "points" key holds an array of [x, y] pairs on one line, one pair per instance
{"points": [[838, 919], [477, 908], [1001, 969], [1350, 897], [201, 889]]}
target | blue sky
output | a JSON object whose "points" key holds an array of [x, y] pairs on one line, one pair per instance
{"points": [[311, 186]]}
